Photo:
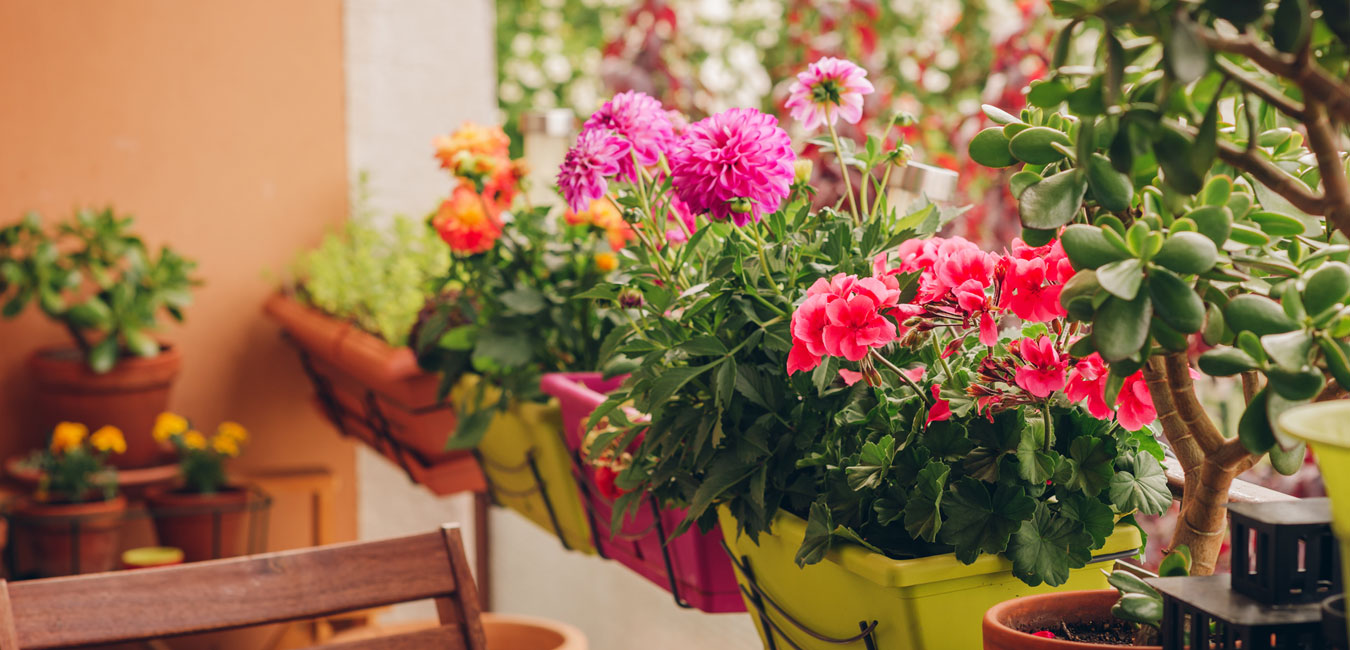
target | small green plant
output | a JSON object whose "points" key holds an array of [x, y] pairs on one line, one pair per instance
{"points": [[377, 278], [1140, 603], [97, 279]]}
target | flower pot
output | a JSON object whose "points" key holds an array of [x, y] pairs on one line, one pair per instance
{"points": [[128, 397], [149, 557], [693, 566], [932, 603], [529, 469], [1323, 427], [375, 391], [503, 632], [1004, 622], [203, 526], [51, 539]]}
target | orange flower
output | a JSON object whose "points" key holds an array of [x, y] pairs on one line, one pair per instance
{"points": [[471, 139], [467, 222], [606, 262], [604, 214]]}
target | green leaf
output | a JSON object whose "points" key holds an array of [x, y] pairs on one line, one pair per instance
{"points": [[873, 464], [1035, 465], [1112, 189], [523, 300], [90, 314], [1173, 151], [1257, 314], [1326, 287], [1088, 248], [1092, 466], [1036, 145], [1187, 253], [1142, 488], [1226, 362], [1213, 221], [1176, 564], [1096, 517], [1053, 201], [1254, 426], [1297, 385], [1047, 93], [1276, 224], [1175, 302], [1289, 349], [923, 519], [1122, 278], [103, 356], [505, 349], [140, 343], [978, 522], [1143, 609], [670, 382], [1292, 25], [470, 428], [704, 345], [459, 338], [990, 148], [1120, 327], [1045, 548], [1337, 355], [1021, 181], [1187, 58], [816, 543]]}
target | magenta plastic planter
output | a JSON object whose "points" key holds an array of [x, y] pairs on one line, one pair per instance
{"points": [[693, 566]]}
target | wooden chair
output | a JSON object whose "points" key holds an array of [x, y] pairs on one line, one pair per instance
{"points": [[253, 590]]}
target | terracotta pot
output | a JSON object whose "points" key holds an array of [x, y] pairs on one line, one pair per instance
{"points": [[372, 381], [51, 539], [203, 526], [1048, 611], [503, 632], [128, 397]]}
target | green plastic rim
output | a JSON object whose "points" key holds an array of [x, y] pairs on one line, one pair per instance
{"points": [[1325, 424]]}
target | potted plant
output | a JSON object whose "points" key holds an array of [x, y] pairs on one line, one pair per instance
{"points": [[506, 311], [73, 523], [105, 287], [207, 517]]}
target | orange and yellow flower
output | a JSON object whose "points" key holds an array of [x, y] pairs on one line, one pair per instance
{"points": [[467, 222], [232, 430], [471, 139], [109, 439], [225, 445], [167, 425], [194, 440], [603, 214], [606, 262], [68, 436]]}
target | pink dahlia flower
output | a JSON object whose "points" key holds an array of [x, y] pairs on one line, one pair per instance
{"points": [[640, 119], [590, 163], [828, 89], [734, 165]]}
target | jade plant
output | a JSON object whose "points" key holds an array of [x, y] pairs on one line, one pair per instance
{"points": [[1188, 157], [96, 278]]}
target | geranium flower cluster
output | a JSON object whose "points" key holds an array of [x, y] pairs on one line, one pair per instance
{"points": [[962, 290], [735, 165], [479, 158]]}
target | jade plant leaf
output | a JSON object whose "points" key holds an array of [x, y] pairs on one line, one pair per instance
{"points": [[979, 522], [1047, 546], [1053, 201]]}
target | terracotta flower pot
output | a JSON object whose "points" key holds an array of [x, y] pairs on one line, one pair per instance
{"points": [[503, 632], [1003, 622], [51, 539], [203, 526], [128, 397]]}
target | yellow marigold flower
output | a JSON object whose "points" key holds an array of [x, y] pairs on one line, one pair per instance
{"points": [[168, 425], [225, 446], [606, 262], [68, 436], [109, 438], [234, 431], [194, 440]]}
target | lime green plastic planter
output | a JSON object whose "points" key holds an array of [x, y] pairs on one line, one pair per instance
{"points": [[1326, 428], [529, 470], [934, 603]]}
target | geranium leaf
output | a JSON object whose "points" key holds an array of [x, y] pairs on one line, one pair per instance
{"points": [[817, 540], [978, 522], [1096, 517], [1141, 485], [1092, 466], [1047, 546], [923, 519], [874, 463]]}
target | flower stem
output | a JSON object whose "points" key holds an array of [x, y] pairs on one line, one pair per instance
{"points": [[764, 260], [843, 167], [1049, 432], [903, 377]]}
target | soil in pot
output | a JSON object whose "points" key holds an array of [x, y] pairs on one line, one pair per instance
{"points": [[1109, 633], [203, 526], [1080, 620], [128, 397], [59, 539]]}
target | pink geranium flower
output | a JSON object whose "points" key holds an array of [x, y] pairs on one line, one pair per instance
{"points": [[940, 410], [1087, 382], [828, 89], [1027, 292], [641, 120], [734, 165], [855, 327], [850, 377], [589, 164], [1043, 373], [1134, 406], [800, 358]]}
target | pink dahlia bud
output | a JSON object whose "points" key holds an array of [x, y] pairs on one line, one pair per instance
{"points": [[828, 89]]}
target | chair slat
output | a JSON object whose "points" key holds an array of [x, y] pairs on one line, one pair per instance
{"points": [[445, 637], [237, 592], [9, 637]]}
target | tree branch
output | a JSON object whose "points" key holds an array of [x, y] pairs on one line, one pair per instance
{"points": [[1323, 142], [1188, 406], [1259, 88], [1174, 429], [1292, 189], [1251, 382], [1314, 81]]}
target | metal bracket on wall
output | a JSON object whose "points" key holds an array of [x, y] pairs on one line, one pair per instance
{"points": [[758, 598], [537, 488]]}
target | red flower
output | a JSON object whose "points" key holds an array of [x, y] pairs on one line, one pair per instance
{"points": [[1087, 381], [855, 327], [941, 408], [1134, 407], [467, 222], [604, 476], [1027, 292], [1044, 372]]}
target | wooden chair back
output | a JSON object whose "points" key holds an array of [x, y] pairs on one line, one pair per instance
{"points": [[253, 590]]}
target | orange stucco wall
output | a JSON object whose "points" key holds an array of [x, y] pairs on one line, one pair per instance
{"points": [[219, 125]]}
